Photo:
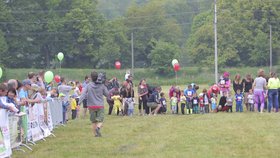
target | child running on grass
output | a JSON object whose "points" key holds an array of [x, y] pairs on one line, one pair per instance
{"points": [[174, 101]]}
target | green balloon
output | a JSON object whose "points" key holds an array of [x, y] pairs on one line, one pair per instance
{"points": [[1, 72], [60, 56], [48, 76]]}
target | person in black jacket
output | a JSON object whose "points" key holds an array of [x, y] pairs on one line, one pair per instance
{"points": [[222, 103], [153, 101]]}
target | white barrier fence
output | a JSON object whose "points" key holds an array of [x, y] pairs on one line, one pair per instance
{"points": [[17, 132]]}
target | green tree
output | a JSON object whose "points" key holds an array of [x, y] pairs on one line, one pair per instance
{"points": [[243, 33], [162, 54], [149, 22]]}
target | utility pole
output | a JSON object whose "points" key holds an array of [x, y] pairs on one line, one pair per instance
{"points": [[216, 44], [132, 54], [270, 45]]}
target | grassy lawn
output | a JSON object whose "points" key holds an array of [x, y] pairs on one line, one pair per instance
{"points": [[210, 135]]}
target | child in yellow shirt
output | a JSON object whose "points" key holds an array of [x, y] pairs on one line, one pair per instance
{"points": [[74, 107], [117, 102]]}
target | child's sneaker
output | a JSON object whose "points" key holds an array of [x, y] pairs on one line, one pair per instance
{"points": [[97, 131]]}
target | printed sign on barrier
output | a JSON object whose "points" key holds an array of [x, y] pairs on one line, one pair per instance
{"points": [[49, 116], [33, 124], [5, 133], [14, 131], [2, 145], [41, 120]]}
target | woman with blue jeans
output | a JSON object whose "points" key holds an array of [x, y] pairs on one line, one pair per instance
{"points": [[259, 87], [273, 85]]}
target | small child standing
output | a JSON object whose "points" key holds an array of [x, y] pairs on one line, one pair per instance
{"points": [[130, 103], [189, 94], [201, 103], [195, 101], [239, 100], [251, 100], [162, 102], [229, 102], [74, 107], [117, 102], [183, 100], [65, 104], [206, 101], [214, 103], [174, 101]]}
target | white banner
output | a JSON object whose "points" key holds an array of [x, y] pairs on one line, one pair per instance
{"points": [[5, 150], [33, 123], [48, 116], [41, 119], [14, 131]]}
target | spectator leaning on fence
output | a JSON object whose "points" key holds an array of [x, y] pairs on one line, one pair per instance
{"points": [[94, 93]]}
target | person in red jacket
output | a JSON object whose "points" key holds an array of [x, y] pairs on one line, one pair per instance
{"points": [[214, 89]]}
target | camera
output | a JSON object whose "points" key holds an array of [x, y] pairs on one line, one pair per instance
{"points": [[101, 78]]}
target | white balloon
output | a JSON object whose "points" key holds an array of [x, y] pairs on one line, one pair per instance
{"points": [[174, 61]]}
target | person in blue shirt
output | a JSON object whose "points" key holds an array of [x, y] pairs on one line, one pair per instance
{"points": [[189, 95], [239, 100]]}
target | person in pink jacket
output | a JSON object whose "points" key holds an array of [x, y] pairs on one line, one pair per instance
{"points": [[224, 83]]}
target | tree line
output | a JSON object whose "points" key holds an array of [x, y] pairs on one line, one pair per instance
{"points": [[96, 33]]}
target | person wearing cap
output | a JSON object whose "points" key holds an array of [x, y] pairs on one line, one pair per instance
{"points": [[224, 83], [94, 93], [23, 93]]}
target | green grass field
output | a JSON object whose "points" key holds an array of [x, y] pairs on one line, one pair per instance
{"points": [[210, 135]]}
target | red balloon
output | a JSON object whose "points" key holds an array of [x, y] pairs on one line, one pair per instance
{"points": [[57, 78], [118, 65], [176, 67]]}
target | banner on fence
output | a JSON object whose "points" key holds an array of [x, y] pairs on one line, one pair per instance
{"points": [[5, 134], [15, 133], [41, 120], [33, 123], [48, 116], [56, 112], [2, 145]]}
